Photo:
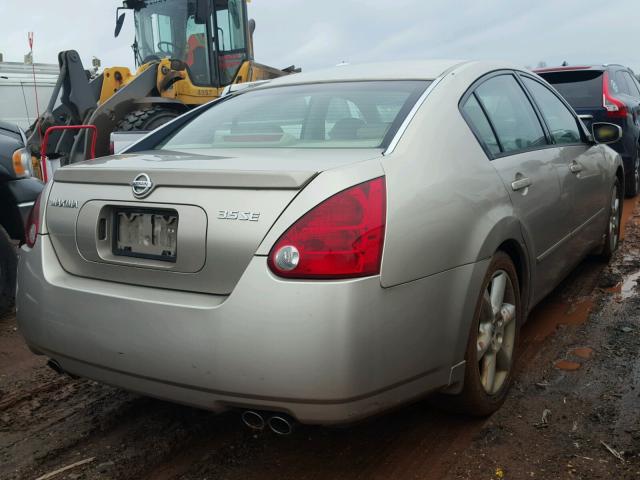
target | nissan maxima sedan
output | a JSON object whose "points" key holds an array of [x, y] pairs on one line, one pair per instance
{"points": [[325, 246]]}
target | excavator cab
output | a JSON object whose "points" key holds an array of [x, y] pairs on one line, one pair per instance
{"points": [[210, 37]]}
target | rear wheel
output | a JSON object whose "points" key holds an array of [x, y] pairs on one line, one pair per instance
{"points": [[8, 265], [633, 179], [147, 119], [612, 234], [491, 349]]}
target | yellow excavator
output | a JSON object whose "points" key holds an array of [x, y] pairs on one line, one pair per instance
{"points": [[186, 52]]}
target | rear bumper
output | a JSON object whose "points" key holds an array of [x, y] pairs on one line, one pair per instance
{"points": [[324, 352]]}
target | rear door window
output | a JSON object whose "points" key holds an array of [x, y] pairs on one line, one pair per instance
{"points": [[563, 126], [619, 84], [511, 114], [635, 82], [480, 124], [582, 89], [631, 84]]}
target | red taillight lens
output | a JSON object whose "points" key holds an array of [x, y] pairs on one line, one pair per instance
{"points": [[340, 238], [615, 108], [32, 227]]}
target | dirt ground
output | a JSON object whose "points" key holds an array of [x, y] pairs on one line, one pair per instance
{"points": [[573, 412]]}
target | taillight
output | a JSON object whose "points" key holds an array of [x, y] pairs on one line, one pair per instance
{"points": [[615, 108], [340, 238], [32, 228]]}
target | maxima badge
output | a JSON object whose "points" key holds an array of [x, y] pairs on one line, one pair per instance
{"points": [[141, 185]]}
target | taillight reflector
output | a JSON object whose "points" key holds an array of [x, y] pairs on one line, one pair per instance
{"points": [[342, 237], [32, 227]]}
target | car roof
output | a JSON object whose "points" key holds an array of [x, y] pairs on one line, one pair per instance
{"points": [[397, 70]]}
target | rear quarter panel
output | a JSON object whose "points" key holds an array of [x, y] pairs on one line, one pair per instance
{"points": [[447, 207]]}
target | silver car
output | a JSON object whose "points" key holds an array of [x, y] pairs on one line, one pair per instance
{"points": [[323, 247]]}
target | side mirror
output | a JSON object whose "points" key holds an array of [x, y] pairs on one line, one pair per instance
{"points": [[203, 11], [119, 23], [606, 132]]}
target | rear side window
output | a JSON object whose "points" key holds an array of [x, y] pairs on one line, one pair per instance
{"points": [[561, 122], [582, 89], [511, 114], [479, 121]]}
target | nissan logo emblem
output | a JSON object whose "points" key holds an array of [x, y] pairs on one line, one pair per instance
{"points": [[141, 185]]}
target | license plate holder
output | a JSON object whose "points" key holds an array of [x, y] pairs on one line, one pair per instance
{"points": [[145, 233]]}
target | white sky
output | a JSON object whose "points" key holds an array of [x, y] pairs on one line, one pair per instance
{"points": [[313, 34]]}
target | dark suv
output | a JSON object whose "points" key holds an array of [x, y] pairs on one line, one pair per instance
{"points": [[605, 93], [18, 191]]}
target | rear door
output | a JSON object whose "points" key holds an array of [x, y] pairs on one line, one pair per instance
{"points": [[580, 168], [512, 134]]}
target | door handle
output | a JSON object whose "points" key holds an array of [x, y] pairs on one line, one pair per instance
{"points": [[575, 167], [521, 183]]}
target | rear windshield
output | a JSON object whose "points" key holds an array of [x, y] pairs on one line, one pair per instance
{"points": [[323, 115], [581, 89]]}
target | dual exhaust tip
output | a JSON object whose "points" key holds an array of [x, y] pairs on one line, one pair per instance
{"points": [[278, 423]]}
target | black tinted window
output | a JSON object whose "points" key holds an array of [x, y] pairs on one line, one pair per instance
{"points": [[511, 114], [582, 89], [631, 84], [479, 121], [561, 122], [619, 83]]}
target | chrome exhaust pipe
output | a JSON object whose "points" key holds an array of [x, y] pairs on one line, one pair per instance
{"points": [[253, 420], [281, 424]]}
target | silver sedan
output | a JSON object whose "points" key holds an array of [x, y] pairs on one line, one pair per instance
{"points": [[325, 246]]}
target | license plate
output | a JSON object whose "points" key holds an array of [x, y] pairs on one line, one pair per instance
{"points": [[150, 234]]}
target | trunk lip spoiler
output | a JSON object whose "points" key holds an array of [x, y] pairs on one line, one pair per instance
{"points": [[290, 180]]}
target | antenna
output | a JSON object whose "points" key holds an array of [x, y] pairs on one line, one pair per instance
{"points": [[35, 84]]}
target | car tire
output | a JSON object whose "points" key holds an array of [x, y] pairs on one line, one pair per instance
{"points": [[612, 232], [493, 340], [8, 266], [633, 181]]}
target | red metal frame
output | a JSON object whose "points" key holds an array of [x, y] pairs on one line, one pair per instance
{"points": [[45, 141]]}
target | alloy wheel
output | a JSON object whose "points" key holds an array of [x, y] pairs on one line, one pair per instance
{"points": [[614, 218], [496, 332]]}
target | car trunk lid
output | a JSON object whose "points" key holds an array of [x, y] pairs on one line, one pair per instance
{"points": [[197, 226]]}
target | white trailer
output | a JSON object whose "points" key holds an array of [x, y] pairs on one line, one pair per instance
{"points": [[18, 91]]}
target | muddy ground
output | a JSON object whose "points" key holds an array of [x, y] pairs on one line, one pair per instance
{"points": [[573, 412]]}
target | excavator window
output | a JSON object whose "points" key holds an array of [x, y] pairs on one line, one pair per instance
{"points": [[231, 38], [169, 30], [213, 52]]}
